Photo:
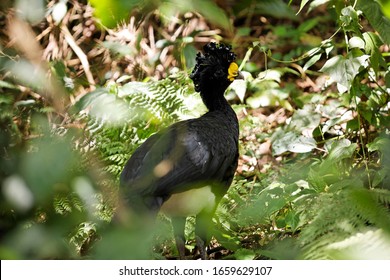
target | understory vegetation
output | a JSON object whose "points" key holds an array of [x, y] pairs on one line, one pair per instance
{"points": [[84, 83]]}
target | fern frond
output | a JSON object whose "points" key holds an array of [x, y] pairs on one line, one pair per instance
{"points": [[65, 203], [152, 105]]}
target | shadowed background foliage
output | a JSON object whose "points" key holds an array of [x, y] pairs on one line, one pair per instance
{"points": [[83, 84]]}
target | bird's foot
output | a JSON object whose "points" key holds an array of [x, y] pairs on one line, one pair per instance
{"points": [[201, 247]]}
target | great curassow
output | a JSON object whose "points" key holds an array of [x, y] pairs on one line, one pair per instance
{"points": [[185, 169]]}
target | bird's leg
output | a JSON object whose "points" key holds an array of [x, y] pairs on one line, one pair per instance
{"points": [[201, 247], [202, 228], [180, 244], [178, 230]]}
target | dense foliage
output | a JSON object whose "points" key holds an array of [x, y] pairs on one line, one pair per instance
{"points": [[81, 90]]}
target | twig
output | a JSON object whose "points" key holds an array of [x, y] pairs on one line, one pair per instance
{"points": [[80, 54]]}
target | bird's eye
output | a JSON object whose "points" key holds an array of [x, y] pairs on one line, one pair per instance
{"points": [[232, 71]]}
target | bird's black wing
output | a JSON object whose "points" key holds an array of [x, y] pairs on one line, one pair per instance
{"points": [[175, 160]]}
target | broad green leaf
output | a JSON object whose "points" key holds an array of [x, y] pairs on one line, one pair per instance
{"points": [[206, 8], [372, 10], [386, 7], [28, 74], [189, 52], [111, 12], [239, 87], [270, 200], [372, 44], [49, 169], [356, 42], [340, 150], [344, 69], [302, 144], [307, 25], [305, 120], [292, 220], [244, 254], [274, 8], [350, 19], [293, 142], [104, 106], [381, 144]]}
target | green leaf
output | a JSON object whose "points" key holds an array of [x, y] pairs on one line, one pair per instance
{"points": [[387, 79], [292, 220], [303, 3], [292, 142], [350, 19], [104, 106], [340, 150], [302, 144], [382, 145], [356, 42], [206, 8], [4, 84], [312, 61], [372, 10], [372, 44], [305, 120], [189, 52], [244, 254], [316, 3], [375, 212], [369, 245], [239, 87], [274, 8], [343, 70], [111, 12], [386, 7]]}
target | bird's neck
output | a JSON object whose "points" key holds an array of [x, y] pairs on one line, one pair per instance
{"points": [[215, 100]]}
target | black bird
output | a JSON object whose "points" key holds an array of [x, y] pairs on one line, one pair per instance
{"points": [[185, 169]]}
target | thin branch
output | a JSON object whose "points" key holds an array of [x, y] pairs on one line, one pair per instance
{"points": [[80, 54]]}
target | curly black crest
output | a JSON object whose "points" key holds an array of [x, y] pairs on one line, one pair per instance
{"points": [[212, 66]]}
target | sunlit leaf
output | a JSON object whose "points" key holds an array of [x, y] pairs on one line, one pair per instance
{"points": [[302, 144], [312, 61], [110, 13], [356, 42], [105, 106], [369, 245], [239, 87], [343, 70], [305, 120], [59, 11], [293, 142], [303, 3]]}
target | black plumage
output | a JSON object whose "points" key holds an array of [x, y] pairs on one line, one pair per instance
{"points": [[186, 168]]}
